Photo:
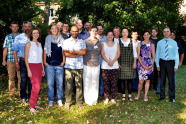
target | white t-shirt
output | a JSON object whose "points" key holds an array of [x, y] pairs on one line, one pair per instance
{"points": [[116, 40]]}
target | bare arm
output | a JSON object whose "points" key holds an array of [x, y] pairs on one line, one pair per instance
{"points": [[139, 57], [64, 59], [70, 54], [5, 51], [118, 53], [181, 59], [44, 58], [153, 54], [103, 54], [80, 52], [26, 51], [16, 60]]}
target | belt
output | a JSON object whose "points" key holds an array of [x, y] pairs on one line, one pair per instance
{"points": [[23, 59], [167, 60]]}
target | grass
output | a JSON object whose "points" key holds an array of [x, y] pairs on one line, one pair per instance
{"points": [[141, 112]]}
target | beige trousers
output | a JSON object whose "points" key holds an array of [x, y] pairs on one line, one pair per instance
{"points": [[11, 67]]}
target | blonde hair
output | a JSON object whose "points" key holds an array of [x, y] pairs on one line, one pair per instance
{"points": [[51, 25]]}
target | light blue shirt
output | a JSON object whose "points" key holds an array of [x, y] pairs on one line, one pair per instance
{"points": [[19, 44], [172, 52], [70, 44], [103, 39]]}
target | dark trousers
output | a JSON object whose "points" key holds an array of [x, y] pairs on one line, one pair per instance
{"points": [[129, 86], [167, 69], [24, 79], [155, 78]]}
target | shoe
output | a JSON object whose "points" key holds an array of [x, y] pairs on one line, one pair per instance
{"points": [[136, 98], [32, 110], [123, 99], [80, 106], [146, 99], [67, 107], [172, 100], [113, 101], [50, 104], [106, 101], [28, 100], [59, 102], [130, 99], [23, 101], [161, 99], [157, 93]]}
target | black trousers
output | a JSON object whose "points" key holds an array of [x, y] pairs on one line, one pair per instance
{"points": [[155, 77], [167, 69]]}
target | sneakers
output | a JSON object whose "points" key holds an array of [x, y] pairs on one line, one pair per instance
{"points": [[50, 103], [106, 101], [23, 101], [59, 102]]}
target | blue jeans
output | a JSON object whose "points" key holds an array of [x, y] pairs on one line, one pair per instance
{"points": [[101, 87], [135, 81], [158, 89], [24, 79], [57, 73]]}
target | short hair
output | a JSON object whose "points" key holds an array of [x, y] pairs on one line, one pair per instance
{"points": [[166, 28], [146, 31], [93, 28], [173, 31], [116, 27], [53, 24], [25, 22], [31, 32], [65, 23], [134, 30], [109, 32], [86, 23], [78, 20], [154, 28], [14, 22], [99, 25], [125, 28]]}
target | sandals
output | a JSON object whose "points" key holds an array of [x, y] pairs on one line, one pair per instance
{"points": [[67, 107], [80, 106], [113, 101], [106, 101], [123, 99], [32, 110], [130, 99]]}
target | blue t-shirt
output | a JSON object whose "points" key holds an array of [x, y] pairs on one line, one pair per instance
{"points": [[56, 57], [180, 49], [83, 35]]}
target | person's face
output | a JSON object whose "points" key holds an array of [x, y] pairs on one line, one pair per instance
{"points": [[60, 26], [93, 32], [54, 30], [14, 28], [87, 26], [172, 36], [125, 33], [146, 36], [100, 30], [79, 24], [110, 36], [154, 33], [65, 27], [35, 34], [166, 33], [134, 35], [116, 32], [26, 28], [74, 32]]}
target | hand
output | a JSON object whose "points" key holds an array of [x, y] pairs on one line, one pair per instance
{"points": [[62, 64], [4, 63], [149, 67], [145, 67], [158, 68], [119, 67], [17, 67], [134, 66], [71, 51], [43, 73], [29, 74], [110, 63], [175, 69], [46, 64], [179, 64]]}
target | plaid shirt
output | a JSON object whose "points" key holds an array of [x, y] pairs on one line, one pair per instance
{"points": [[8, 43], [70, 44]]}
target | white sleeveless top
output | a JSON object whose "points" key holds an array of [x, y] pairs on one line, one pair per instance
{"points": [[35, 53], [110, 54]]}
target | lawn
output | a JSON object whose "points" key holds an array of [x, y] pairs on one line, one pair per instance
{"points": [[153, 111]]}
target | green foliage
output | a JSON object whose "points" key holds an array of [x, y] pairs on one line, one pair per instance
{"points": [[138, 14]]}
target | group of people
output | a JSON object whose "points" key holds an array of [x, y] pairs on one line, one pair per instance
{"points": [[90, 61]]}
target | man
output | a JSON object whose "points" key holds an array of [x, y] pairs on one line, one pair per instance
{"points": [[8, 52], [65, 32], [154, 39], [135, 42], [18, 47], [87, 26], [167, 61], [74, 49], [116, 32], [103, 38], [60, 26], [82, 34]]}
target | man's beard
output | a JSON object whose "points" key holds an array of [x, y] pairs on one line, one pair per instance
{"points": [[27, 31]]}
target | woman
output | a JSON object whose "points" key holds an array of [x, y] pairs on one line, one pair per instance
{"points": [[127, 63], [146, 57], [34, 64], [110, 53], [54, 61], [91, 68]]}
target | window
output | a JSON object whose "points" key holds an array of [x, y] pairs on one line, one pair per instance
{"points": [[51, 12]]}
